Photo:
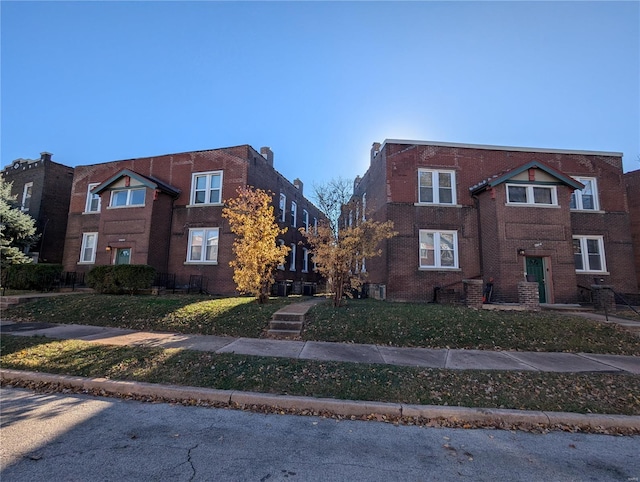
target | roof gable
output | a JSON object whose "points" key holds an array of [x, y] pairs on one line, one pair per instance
{"points": [[146, 181], [499, 179]]}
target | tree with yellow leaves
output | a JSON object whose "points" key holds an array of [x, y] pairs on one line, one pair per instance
{"points": [[257, 253], [340, 249]]}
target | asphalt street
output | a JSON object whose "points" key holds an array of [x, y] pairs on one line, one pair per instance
{"points": [[81, 438]]}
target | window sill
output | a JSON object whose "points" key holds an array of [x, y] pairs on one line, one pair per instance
{"points": [[527, 205], [204, 205], [423, 268], [90, 212], [438, 205], [212, 263], [126, 207], [593, 272], [86, 262], [590, 211]]}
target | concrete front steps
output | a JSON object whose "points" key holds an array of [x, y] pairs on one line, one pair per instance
{"points": [[287, 323]]}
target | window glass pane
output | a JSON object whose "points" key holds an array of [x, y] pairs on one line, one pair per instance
{"points": [[119, 198], [215, 181], [587, 194], [426, 187], [212, 245], [214, 196], [593, 250], [577, 254], [137, 197], [444, 179], [95, 202], [446, 250], [195, 253], [542, 195], [199, 197], [427, 249], [201, 182], [517, 194], [445, 195], [572, 203]]}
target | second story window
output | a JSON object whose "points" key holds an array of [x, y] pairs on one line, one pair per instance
{"points": [[127, 197], [587, 198], [283, 207], [26, 196], [93, 200], [292, 260], [294, 213], [305, 219], [436, 187], [532, 194], [206, 188]]}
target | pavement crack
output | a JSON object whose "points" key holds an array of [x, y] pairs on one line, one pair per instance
{"points": [[190, 462]]}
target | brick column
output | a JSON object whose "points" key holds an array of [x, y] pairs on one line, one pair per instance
{"points": [[528, 295], [603, 298], [473, 292]]}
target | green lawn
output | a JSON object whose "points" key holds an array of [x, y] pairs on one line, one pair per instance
{"points": [[359, 321], [581, 393]]}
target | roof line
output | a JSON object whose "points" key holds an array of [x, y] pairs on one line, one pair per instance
{"points": [[499, 148]]}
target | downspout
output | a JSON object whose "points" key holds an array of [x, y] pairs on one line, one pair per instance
{"points": [[476, 200]]}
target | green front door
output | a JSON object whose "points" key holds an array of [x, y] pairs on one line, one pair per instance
{"points": [[535, 272], [123, 256]]}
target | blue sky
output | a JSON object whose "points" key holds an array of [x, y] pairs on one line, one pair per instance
{"points": [[318, 82]]}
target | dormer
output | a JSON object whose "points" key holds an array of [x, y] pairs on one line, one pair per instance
{"points": [[129, 189]]}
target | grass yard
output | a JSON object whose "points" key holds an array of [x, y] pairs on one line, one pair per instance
{"points": [[582, 393], [359, 321]]}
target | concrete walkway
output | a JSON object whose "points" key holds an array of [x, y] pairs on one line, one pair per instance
{"points": [[344, 352]]}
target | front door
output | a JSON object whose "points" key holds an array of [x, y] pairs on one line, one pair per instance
{"points": [[535, 272], [123, 256]]}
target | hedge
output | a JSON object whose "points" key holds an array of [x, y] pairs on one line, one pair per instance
{"points": [[120, 278], [31, 276]]}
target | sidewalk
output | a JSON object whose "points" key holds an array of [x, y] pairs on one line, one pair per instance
{"points": [[326, 351]]}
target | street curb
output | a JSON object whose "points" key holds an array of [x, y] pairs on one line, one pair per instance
{"points": [[233, 398]]}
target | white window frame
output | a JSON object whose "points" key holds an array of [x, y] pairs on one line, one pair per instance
{"points": [[281, 243], [128, 201], [89, 242], [438, 252], [576, 196], [305, 220], [27, 194], [90, 198], [585, 254], [209, 175], [294, 214], [530, 196], [292, 261], [364, 206], [283, 207], [435, 186], [205, 236], [305, 260]]}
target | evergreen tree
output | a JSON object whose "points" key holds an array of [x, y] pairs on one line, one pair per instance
{"points": [[17, 229]]}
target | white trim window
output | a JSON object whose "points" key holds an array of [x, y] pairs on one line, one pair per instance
{"points": [[305, 260], [436, 187], [305, 220], [203, 245], [294, 213], [283, 207], [88, 249], [292, 260], [27, 191], [585, 199], [281, 243], [438, 249], [364, 206], [532, 195], [588, 254], [206, 188], [127, 197], [92, 204]]}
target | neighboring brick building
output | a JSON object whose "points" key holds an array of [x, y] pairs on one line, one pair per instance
{"points": [[166, 211], [463, 211], [632, 180], [43, 189]]}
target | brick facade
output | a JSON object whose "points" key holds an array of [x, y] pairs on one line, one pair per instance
{"points": [[158, 232], [49, 202], [495, 238], [632, 180]]}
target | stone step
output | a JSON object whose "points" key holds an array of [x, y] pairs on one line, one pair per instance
{"points": [[283, 316], [285, 325], [283, 334]]}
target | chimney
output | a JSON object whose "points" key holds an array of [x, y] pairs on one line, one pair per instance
{"points": [[356, 182], [45, 156], [375, 148], [267, 153], [298, 184]]}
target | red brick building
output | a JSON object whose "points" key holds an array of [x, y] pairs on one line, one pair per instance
{"points": [[43, 188], [505, 214], [632, 180], [166, 211]]}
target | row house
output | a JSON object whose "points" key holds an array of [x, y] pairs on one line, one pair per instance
{"points": [[499, 214], [632, 180], [166, 212], [42, 189]]}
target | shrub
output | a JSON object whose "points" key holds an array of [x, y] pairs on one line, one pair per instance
{"points": [[30, 276], [117, 279]]}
